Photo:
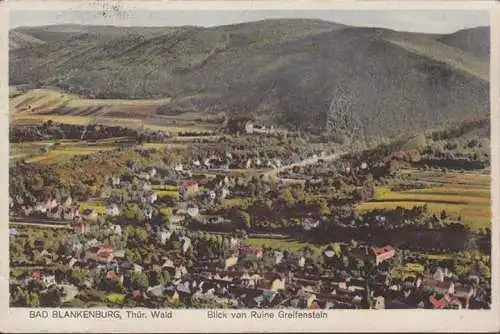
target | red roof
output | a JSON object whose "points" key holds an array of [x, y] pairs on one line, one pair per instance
{"points": [[111, 274], [105, 253], [438, 303], [105, 246], [382, 250], [35, 274], [136, 294], [188, 184]]}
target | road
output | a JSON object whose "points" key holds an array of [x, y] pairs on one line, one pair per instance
{"points": [[41, 222], [306, 162]]}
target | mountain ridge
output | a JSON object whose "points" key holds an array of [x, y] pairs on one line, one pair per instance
{"points": [[286, 71]]}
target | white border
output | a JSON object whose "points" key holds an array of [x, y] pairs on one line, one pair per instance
{"points": [[16, 320]]}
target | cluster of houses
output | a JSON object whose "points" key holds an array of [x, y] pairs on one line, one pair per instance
{"points": [[227, 280]]}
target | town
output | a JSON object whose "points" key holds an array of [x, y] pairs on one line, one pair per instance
{"points": [[248, 218]]}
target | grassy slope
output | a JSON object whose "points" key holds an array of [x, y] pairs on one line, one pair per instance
{"points": [[465, 195], [276, 69]]}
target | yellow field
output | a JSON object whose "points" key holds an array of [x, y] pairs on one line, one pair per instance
{"points": [[98, 206], [42, 101], [466, 195], [39, 105], [166, 190], [283, 244]]}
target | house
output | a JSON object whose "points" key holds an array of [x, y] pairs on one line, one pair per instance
{"points": [[41, 208], [186, 243], [189, 189], [463, 294], [278, 257], [433, 286], [112, 210], [89, 214], [249, 126], [130, 266], [193, 211], [115, 181], [71, 213], [115, 229], [379, 303], [212, 194], [181, 208], [164, 236], [50, 203], [114, 276], [67, 201], [382, 254], [69, 291], [180, 271], [149, 197], [27, 210], [147, 210], [75, 245], [55, 213], [81, 227], [257, 251], [102, 253], [329, 253], [223, 193], [167, 263], [143, 176], [309, 223], [48, 280], [156, 290], [234, 242], [145, 186], [239, 125], [152, 171]]}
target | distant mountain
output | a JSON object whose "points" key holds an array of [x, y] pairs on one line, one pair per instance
{"points": [[18, 40], [474, 40], [303, 74]]}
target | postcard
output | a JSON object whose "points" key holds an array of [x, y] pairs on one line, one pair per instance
{"points": [[244, 166]]}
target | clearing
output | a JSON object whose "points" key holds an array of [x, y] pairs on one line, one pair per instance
{"points": [[460, 194], [39, 105]]}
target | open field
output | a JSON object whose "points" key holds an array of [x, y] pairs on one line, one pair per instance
{"points": [[97, 205], [466, 195], [39, 105], [166, 190], [48, 101], [283, 244], [45, 152]]}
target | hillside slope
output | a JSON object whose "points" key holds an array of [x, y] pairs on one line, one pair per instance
{"points": [[284, 71], [474, 40], [19, 40]]}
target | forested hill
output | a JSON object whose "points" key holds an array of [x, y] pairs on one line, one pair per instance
{"points": [[289, 72]]}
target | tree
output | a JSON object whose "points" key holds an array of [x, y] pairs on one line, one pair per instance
{"points": [[242, 218], [33, 300], [341, 121], [140, 281]]}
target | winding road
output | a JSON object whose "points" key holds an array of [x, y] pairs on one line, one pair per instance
{"points": [[306, 162]]}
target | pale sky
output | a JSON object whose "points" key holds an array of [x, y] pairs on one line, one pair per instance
{"points": [[429, 21]]}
